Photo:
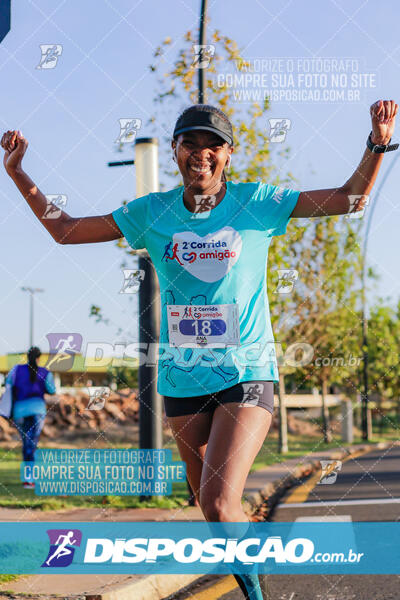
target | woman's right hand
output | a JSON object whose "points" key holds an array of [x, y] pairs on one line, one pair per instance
{"points": [[15, 146], [64, 229]]}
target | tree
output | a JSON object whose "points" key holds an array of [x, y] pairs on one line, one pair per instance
{"points": [[322, 309], [383, 355], [177, 88]]}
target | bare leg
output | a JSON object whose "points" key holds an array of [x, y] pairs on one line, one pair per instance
{"points": [[237, 434], [191, 433], [219, 450]]}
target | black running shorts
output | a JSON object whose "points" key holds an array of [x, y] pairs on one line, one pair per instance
{"points": [[249, 393]]}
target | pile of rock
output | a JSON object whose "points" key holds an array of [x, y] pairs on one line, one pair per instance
{"points": [[79, 413]]}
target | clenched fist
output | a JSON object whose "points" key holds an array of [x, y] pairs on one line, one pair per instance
{"points": [[15, 146], [383, 115]]}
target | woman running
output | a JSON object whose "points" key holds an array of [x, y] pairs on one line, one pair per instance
{"points": [[208, 241], [30, 382]]}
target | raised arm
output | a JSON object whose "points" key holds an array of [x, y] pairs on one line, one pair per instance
{"points": [[339, 201], [64, 229]]}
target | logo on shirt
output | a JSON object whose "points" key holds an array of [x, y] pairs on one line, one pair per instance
{"points": [[208, 258]]}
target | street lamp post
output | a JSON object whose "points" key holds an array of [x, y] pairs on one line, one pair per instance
{"points": [[150, 402], [364, 405], [202, 41], [364, 398], [32, 292]]}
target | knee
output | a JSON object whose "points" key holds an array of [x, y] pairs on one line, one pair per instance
{"points": [[216, 509]]}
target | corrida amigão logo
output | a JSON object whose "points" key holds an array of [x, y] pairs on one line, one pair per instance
{"points": [[209, 257]]}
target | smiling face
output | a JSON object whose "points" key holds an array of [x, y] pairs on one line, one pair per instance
{"points": [[201, 157]]}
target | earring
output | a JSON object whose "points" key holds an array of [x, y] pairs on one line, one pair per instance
{"points": [[229, 163]]}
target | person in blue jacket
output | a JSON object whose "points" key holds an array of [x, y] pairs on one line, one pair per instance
{"points": [[30, 382]]}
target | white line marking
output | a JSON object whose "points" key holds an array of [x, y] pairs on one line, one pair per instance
{"points": [[325, 519], [342, 503]]}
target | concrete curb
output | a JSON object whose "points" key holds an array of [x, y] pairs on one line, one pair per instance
{"points": [[153, 587]]}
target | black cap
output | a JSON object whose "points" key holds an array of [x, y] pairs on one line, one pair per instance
{"points": [[204, 116]]}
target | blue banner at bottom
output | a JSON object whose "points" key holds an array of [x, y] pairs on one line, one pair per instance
{"points": [[199, 547]]}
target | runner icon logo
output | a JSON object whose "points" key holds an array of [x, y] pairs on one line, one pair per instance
{"points": [[287, 279], [203, 54], [63, 347], [204, 205], [357, 205], [97, 397], [252, 393], [128, 130], [278, 129], [55, 204], [330, 470], [62, 542], [50, 55], [132, 279]]}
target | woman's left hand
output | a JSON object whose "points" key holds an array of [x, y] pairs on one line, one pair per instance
{"points": [[383, 116]]}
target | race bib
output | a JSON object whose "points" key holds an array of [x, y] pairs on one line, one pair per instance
{"points": [[210, 325]]}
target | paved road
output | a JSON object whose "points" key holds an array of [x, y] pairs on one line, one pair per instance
{"points": [[367, 488]]}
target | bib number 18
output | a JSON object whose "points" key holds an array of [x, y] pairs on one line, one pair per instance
{"points": [[211, 325], [202, 327], [205, 328]]}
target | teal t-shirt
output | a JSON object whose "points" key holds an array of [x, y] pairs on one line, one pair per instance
{"points": [[215, 326]]}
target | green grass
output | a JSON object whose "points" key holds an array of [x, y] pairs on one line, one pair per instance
{"points": [[300, 446], [5, 578], [13, 495]]}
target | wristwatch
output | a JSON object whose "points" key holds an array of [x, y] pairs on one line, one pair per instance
{"points": [[380, 148]]}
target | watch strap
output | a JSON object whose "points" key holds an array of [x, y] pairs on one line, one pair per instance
{"points": [[380, 148]]}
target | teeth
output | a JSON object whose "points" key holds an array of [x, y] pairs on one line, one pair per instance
{"points": [[200, 169]]}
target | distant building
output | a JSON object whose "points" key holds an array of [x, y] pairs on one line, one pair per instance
{"points": [[78, 375]]}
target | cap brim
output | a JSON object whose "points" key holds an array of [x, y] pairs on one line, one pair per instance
{"points": [[222, 135]]}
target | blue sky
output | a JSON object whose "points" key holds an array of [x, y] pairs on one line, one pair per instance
{"points": [[70, 115]]}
